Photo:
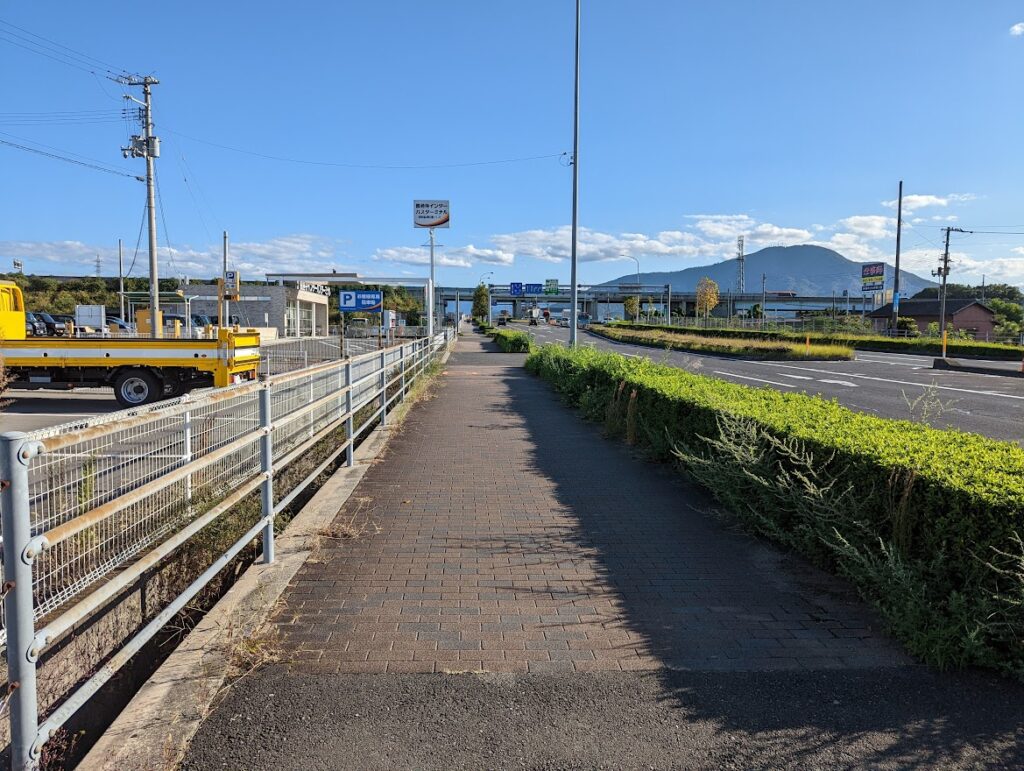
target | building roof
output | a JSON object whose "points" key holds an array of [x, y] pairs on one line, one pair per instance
{"points": [[926, 308]]}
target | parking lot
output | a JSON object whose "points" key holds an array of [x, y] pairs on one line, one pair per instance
{"points": [[29, 410]]}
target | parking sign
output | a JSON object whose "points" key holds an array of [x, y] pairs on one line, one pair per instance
{"points": [[368, 302]]}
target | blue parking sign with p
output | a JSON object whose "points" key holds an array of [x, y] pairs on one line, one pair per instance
{"points": [[368, 302]]}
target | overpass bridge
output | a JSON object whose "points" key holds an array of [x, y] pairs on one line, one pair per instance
{"points": [[592, 297]]}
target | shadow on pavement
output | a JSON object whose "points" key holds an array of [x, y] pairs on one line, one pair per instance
{"points": [[782, 658]]}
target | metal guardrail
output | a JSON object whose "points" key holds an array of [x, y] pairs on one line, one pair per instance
{"points": [[85, 512]]}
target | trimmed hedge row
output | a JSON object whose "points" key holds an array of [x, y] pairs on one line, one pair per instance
{"points": [[512, 341], [925, 346], [747, 347], [925, 522]]}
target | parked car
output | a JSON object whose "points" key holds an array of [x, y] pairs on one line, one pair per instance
{"points": [[34, 326], [54, 328], [121, 324], [199, 320]]}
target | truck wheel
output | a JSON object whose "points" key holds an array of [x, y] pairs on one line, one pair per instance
{"points": [[136, 387]]}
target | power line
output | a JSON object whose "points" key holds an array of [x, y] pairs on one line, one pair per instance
{"points": [[163, 219], [138, 241], [67, 160], [59, 52], [309, 162]]}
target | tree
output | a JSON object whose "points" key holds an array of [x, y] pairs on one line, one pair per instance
{"points": [[631, 307], [707, 297], [481, 302], [966, 292]]}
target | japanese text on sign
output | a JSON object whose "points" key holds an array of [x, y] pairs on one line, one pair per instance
{"points": [[430, 214], [369, 302]]}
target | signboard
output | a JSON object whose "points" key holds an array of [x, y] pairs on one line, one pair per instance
{"points": [[324, 289], [532, 289], [19, 265], [232, 283], [369, 302], [872, 276], [515, 289], [430, 214], [551, 286]]}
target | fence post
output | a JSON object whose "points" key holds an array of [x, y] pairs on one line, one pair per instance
{"points": [[186, 446], [15, 454], [267, 467], [350, 460], [402, 354], [383, 388]]}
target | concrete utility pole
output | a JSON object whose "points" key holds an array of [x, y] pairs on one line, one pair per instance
{"points": [[574, 289], [224, 310], [896, 278], [764, 298], [148, 146], [943, 272], [433, 289], [120, 277], [741, 280]]}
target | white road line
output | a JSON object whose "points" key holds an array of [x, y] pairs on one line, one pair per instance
{"points": [[755, 379], [794, 377], [839, 382], [895, 382]]}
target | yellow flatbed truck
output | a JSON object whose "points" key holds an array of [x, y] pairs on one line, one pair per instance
{"points": [[140, 370]]}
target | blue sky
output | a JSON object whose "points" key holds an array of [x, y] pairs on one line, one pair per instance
{"points": [[788, 122]]}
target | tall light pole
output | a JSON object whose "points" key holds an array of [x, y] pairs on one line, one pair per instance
{"points": [[574, 290], [485, 275], [637, 261]]}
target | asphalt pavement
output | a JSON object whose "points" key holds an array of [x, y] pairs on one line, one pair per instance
{"points": [[886, 384], [30, 410]]}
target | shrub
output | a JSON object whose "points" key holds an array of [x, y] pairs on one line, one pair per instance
{"points": [[751, 348], [925, 522], [512, 341], [920, 345]]}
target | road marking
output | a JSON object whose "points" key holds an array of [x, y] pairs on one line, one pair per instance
{"points": [[755, 379], [839, 382], [895, 382], [795, 377]]}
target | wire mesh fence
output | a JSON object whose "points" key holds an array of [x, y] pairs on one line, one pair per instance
{"points": [[104, 493]]}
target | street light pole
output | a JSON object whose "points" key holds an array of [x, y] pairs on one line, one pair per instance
{"points": [[637, 261], [574, 289]]}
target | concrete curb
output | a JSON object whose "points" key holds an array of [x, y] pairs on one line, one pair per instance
{"points": [[955, 365], [153, 732]]}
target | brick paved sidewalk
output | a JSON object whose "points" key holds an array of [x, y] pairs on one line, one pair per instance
{"points": [[502, 533]]}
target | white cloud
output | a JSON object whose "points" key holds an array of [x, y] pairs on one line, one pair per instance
{"points": [[870, 226], [730, 226], [1017, 29], [419, 255], [915, 201], [488, 256]]}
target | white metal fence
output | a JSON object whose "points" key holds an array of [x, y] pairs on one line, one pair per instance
{"points": [[86, 511]]}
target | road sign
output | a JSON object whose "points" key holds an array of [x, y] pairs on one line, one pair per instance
{"points": [[531, 289], [431, 214], [369, 302], [515, 289], [19, 265], [551, 286], [872, 276]]}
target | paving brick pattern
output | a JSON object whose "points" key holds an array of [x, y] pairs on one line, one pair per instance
{"points": [[502, 533]]}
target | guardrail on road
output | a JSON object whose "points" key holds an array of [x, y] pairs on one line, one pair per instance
{"points": [[87, 511]]}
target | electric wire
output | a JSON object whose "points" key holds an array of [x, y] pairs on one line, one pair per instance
{"points": [[138, 241], [67, 159], [59, 52], [163, 220]]}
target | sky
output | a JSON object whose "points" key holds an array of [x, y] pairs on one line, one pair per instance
{"points": [[306, 130]]}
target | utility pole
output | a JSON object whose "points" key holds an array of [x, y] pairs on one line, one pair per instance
{"points": [[764, 298], [983, 287], [740, 260], [99, 265], [224, 310], [943, 272], [896, 278], [120, 277], [574, 289], [148, 146]]}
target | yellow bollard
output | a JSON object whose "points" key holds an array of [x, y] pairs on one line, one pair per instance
{"points": [[808, 348], [945, 335]]}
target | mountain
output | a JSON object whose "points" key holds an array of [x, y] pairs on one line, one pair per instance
{"points": [[804, 269]]}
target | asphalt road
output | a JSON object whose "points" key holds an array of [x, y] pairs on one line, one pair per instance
{"points": [[29, 410], [885, 384], [883, 718]]}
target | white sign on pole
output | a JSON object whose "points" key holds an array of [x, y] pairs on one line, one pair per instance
{"points": [[430, 214]]}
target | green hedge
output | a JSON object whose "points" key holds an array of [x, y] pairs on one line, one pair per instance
{"points": [[748, 347], [512, 341], [921, 345], [925, 522]]}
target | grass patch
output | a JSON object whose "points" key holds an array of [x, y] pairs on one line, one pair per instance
{"points": [[927, 346], [745, 347], [926, 523], [512, 341]]}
